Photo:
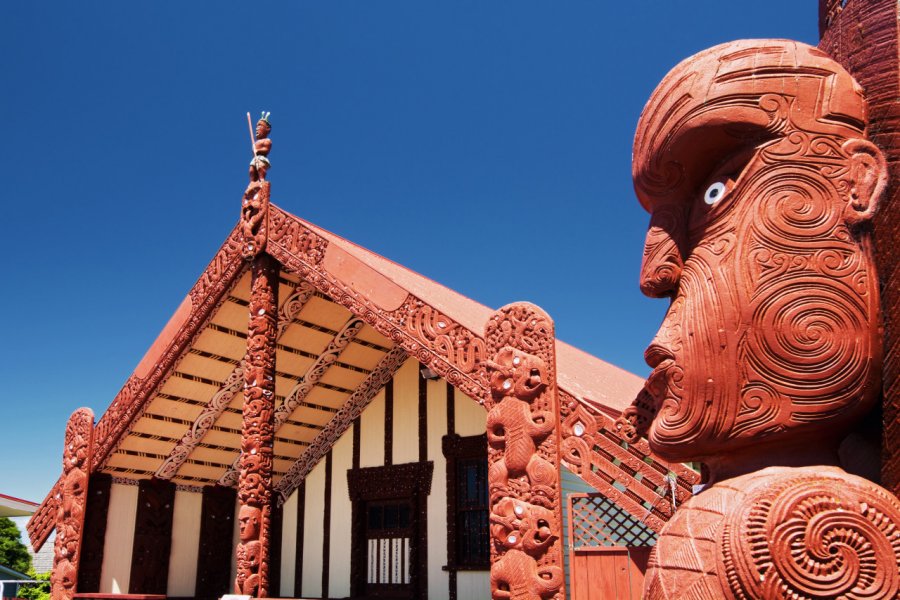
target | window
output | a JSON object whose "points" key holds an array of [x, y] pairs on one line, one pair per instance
{"points": [[468, 536]]}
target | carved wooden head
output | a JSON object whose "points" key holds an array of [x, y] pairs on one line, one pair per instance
{"points": [[752, 159]]}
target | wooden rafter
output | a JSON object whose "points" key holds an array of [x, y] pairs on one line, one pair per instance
{"points": [[297, 396]]}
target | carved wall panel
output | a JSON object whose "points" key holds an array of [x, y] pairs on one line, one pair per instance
{"points": [[863, 37], [523, 434], [152, 537], [753, 161], [258, 432], [92, 544], [77, 456], [214, 554]]}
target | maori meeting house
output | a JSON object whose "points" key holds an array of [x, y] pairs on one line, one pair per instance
{"points": [[316, 421]]}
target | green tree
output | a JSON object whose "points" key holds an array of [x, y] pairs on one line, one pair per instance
{"points": [[13, 553], [36, 591]]}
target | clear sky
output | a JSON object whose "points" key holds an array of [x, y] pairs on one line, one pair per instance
{"points": [[484, 144]]}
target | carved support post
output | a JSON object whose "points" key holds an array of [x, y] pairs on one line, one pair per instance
{"points": [[258, 432], [73, 500], [523, 433]]}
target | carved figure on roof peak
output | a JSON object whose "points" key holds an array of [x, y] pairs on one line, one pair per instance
{"points": [[753, 161], [262, 145]]}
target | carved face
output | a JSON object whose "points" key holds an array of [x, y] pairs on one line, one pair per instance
{"points": [[757, 177], [262, 129], [248, 520]]}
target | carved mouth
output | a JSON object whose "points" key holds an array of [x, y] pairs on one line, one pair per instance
{"points": [[655, 386]]}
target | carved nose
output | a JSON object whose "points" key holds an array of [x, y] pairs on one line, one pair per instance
{"points": [[662, 263], [661, 267], [657, 353]]}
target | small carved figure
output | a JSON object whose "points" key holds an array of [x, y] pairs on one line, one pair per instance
{"points": [[262, 145], [517, 576], [753, 161], [524, 526]]}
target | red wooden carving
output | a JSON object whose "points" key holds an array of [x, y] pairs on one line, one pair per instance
{"points": [[258, 433], [752, 159], [523, 455], [72, 503]]}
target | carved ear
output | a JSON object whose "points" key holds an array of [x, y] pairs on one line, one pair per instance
{"points": [[868, 178]]}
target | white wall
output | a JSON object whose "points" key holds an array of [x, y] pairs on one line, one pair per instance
{"points": [[313, 531], [471, 418], [288, 545], [341, 508], [115, 573], [185, 542], [371, 442], [406, 413], [438, 579]]}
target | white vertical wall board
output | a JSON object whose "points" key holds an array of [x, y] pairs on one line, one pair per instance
{"points": [[288, 544], [339, 549], [471, 417], [185, 544], [371, 442], [115, 573], [406, 413], [473, 584], [313, 534], [438, 579]]}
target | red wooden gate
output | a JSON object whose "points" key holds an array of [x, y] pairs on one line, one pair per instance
{"points": [[608, 550]]}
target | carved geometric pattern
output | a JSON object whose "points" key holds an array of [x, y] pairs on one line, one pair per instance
{"points": [[597, 521], [72, 503], [232, 385], [314, 374], [340, 422], [523, 437]]}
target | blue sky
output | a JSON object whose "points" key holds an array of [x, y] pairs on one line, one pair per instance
{"points": [[486, 145]]}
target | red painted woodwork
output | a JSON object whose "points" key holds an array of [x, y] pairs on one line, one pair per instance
{"points": [[607, 572], [523, 437], [863, 36], [214, 553], [152, 537], [94, 539], [258, 432], [77, 455], [753, 161]]}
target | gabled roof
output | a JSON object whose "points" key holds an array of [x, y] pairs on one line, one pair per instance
{"points": [[16, 507], [346, 321]]}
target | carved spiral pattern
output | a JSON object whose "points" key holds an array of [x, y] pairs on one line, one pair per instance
{"points": [[814, 538]]}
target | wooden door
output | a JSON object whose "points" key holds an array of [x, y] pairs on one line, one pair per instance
{"points": [[608, 549]]}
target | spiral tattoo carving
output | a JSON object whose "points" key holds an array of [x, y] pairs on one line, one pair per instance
{"points": [[809, 536]]}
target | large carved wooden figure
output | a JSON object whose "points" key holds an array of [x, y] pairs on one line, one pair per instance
{"points": [[72, 502], [523, 455], [753, 161]]}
